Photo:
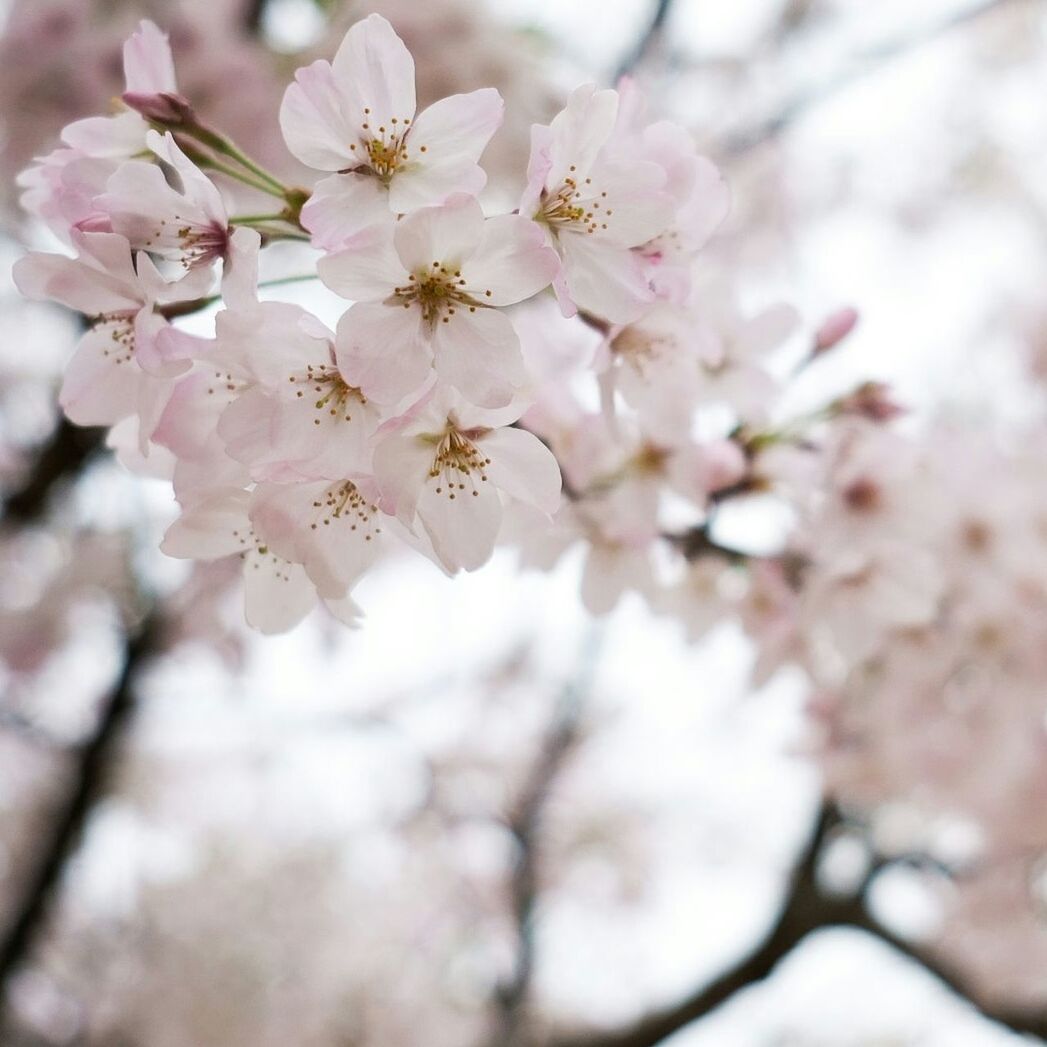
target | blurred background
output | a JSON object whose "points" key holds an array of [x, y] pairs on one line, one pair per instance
{"points": [[487, 817]]}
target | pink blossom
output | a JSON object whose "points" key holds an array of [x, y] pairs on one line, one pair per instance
{"points": [[595, 207], [277, 593], [429, 296], [454, 468], [356, 116], [190, 226], [122, 365]]}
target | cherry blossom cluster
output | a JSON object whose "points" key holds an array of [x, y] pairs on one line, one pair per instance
{"points": [[310, 453]]}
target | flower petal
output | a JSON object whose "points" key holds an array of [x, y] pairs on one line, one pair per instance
{"points": [[447, 234], [479, 354], [342, 206], [523, 467], [313, 120], [513, 261], [369, 270], [383, 350]]}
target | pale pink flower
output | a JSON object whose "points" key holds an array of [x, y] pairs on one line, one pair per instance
{"points": [[452, 466], [277, 593], [430, 294], [595, 207], [356, 116], [61, 187], [335, 530], [190, 226], [122, 365]]}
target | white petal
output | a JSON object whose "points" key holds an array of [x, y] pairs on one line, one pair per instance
{"points": [[215, 527], [513, 261], [369, 270], [448, 234], [479, 354], [342, 206], [384, 350], [523, 467], [604, 279], [313, 120], [463, 525]]}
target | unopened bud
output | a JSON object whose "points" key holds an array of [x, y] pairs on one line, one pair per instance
{"points": [[166, 108], [871, 400], [834, 329]]}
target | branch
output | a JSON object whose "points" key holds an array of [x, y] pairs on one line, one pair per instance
{"points": [[799, 916], [90, 778], [59, 461], [525, 825], [654, 30], [745, 141], [806, 909]]}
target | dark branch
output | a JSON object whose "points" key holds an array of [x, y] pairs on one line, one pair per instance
{"points": [[90, 775], [58, 462], [654, 31], [525, 825], [806, 909]]}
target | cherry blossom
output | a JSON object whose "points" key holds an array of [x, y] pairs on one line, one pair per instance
{"points": [[456, 469], [278, 593], [356, 116], [429, 296], [121, 366], [190, 226], [595, 207]]}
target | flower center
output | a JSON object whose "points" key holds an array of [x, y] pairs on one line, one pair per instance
{"points": [[343, 503], [120, 326], [457, 461], [439, 293], [335, 396], [386, 146], [201, 245], [578, 207]]}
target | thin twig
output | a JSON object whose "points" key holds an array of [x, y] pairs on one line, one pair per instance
{"points": [[655, 29], [525, 824], [90, 776]]}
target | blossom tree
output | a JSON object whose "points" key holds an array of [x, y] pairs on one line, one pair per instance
{"points": [[563, 369]]}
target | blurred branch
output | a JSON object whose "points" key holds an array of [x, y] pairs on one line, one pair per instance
{"points": [[525, 824], [58, 461], [651, 36], [863, 65], [90, 774], [806, 908]]}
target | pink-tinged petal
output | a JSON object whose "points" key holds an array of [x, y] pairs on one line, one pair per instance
{"points": [[479, 354], [158, 289], [197, 188], [346, 610], [707, 207], [101, 280], [462, 525], [148, 65], [578, 133], [523, 467], [384, 350], [214, 527], [118, 137], [246, 429], [158, 354], [458, 127], [401, 468], [539, 165], [513, 261], [605, 280], [430, 184], [342, 207], [369, 270], [101, 382], [314, 121], [375, 72], [447, 234], [332, 529], [641, 208], [277, 594], [240, 272]]}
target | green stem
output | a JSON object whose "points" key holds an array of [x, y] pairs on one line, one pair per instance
{"points": [[251, 219], [231, 172]]}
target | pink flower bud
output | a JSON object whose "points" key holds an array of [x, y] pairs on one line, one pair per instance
{"points": [[873, 401], [835, 329], [166, 107]]}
